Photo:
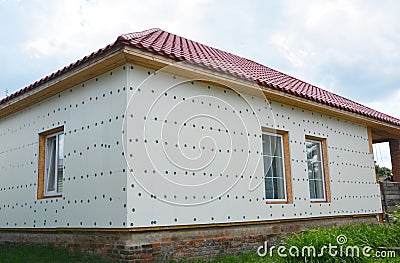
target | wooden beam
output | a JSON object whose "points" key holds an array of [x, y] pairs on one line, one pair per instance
{"points": [[180, 227], [370, 140]]}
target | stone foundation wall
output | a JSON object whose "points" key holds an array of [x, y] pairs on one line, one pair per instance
{"points": [[173, 244]]}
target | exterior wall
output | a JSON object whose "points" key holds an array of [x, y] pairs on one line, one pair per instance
{"points": [[166, 245], [130, 161], [194, 152], [95, 170]]}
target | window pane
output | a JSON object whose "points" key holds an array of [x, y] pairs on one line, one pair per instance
{"points": [[309, 146], [315, 169], [275, 188], [266, 145], [50, 162], [269, 188], [268, 171], [277, 164], [313, 194], [317, 151], [273, 144], [319, 189], [310, 170], [313, 151], [60, 168], [273, 167], [280, 188], [278, 147]]}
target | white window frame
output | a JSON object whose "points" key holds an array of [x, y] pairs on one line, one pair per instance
{"points": [[280, 136], [46, 176], [321, 152]]}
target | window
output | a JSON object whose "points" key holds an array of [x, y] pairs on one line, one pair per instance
{"points": [[276, 166], [317, 169], [51, 163]]}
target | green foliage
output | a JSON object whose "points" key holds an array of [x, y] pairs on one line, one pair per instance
{"points": [[361, 235], [357, 235], [383, 171], [395, 215], [44, 254]]}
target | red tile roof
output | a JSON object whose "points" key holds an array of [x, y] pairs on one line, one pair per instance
{"points": [[179, 48]]}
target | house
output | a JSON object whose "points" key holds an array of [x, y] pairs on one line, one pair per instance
{"points": [[159, 147]]}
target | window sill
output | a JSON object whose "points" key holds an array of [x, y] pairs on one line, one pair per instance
{"points": [[50, 196], [319, 201], [278, 202]]}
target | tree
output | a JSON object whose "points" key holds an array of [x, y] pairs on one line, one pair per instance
{"points": [[383, 171]]}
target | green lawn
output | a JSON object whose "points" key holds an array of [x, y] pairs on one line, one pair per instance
{"points": [[361, 235], [37, 254]]}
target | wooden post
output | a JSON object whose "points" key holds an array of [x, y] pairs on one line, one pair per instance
{"points": [[395, 157]]}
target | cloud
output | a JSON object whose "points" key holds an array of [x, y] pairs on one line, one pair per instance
{"points": [[389, 104], [354, 46], [47, 35]]}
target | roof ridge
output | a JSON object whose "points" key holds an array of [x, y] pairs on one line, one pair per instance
{"points": [[134, 35]]}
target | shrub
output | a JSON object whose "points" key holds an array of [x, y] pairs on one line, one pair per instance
{"points": [[395, 215]]}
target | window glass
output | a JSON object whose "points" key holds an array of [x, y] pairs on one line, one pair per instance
{"points": [[315, 170], [54, 157], [274, 172]]}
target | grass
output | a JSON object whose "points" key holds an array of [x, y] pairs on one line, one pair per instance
{"points": [[44, 254], [360, 235]]}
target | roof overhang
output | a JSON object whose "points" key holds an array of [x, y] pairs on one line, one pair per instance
{"points": [[123, 54]]}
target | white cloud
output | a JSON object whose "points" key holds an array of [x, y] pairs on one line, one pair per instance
{"points": [[285, 44], [76, 28], [354, 45], [390, 105]]}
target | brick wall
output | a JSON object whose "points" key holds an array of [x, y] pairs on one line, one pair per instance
{"points": [[395, 157], [390, 193], [163, 245]]}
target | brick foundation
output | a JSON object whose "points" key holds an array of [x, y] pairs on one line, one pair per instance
{"points": [[395, 158], [174, 244]]}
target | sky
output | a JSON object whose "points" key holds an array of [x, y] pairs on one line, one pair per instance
{"points": [[351, 47]]}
